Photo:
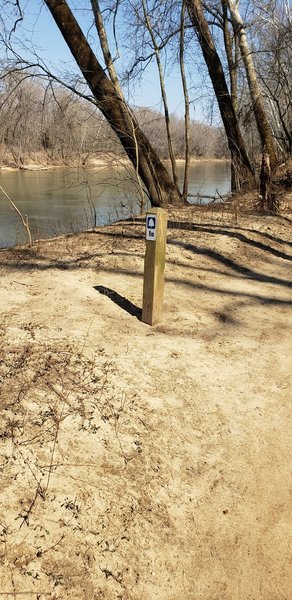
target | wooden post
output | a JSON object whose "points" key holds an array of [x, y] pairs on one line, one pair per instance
{"points": [[154, 263]]}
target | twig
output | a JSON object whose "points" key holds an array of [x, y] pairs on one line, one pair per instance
{"points": [[54, 545], [39, 492], [24, 219], [58, 420], [20, 283], [25, 593]]}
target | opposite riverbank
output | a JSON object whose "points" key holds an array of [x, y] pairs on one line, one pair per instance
{"points": [[101, 160]]}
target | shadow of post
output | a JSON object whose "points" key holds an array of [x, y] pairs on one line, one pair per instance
{"points": [[121, 301]]}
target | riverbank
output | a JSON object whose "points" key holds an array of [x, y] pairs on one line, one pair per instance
{"points": [[71, 199], [39, 166], [146, 462], [27, 167], [101, 160]]}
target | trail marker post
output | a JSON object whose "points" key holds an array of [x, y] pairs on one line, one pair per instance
{"points": [[154, 263]]}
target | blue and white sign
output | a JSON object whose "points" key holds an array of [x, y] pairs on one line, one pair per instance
{"points": [[151, 223]]}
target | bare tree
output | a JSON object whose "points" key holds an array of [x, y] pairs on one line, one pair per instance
{"points": [[231, 49], [263, 124], [100, 28], [273, 34], [161, 28], [154, 175], [156, 49], [269, 154], [236, 143], [186, 99]]}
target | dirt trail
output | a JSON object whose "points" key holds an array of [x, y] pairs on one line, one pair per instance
{"points": [[143, 463]]}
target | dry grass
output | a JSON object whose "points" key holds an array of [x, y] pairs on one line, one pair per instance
{"points": [[51, 395]]}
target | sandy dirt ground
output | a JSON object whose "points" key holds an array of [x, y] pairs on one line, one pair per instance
{"points": [[138, 462]]}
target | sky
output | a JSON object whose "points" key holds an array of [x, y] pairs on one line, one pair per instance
{"points": [[40, 31]]}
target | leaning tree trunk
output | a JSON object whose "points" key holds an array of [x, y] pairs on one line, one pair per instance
{"points": [[154, 175], [262, 122], [101, 32], [239, 156], [269, 155]]}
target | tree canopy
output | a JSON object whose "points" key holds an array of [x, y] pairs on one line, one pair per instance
{"points": [[235, 59]]}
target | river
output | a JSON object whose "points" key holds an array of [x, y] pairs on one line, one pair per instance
{"points": [[63, 200]]}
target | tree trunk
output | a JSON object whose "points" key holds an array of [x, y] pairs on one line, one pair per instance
{"points": [[269, 155], [101, 32], [239, 157], [154, 175], [262, 122], [163, 93], [105, 47], [231, 49], [186, 100]]}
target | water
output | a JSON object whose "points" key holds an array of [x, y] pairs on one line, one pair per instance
{"points": [[63, 200]]}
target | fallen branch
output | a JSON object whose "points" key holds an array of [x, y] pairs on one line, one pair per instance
{"points": [[213, 198]]}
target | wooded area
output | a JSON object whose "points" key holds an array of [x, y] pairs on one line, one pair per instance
{"points": [[56, 126], [240, 52]]}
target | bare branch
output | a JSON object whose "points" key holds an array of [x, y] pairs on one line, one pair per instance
{"points": [[24, 219]]}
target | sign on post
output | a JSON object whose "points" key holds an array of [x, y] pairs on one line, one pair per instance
{"points": [[154, 263], [151, 226]]}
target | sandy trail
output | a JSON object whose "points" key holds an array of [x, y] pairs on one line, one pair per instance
{"points": [[143, 462]]}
